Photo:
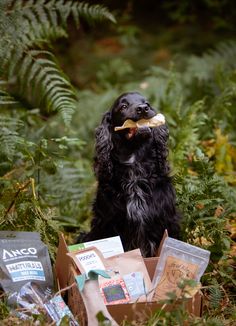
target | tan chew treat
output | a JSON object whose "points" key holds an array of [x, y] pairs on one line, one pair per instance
{"points": [[155, 121]]}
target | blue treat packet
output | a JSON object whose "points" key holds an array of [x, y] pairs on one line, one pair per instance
{"points": [[135, 284], [57, 310]]}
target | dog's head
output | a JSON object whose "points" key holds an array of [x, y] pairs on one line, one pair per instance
{"points": [[131, 106], [122, 143]]}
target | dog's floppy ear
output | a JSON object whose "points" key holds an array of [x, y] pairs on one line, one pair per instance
{"points": [[103, 146], [161, 135]]}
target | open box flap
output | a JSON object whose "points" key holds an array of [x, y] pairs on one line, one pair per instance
{"points": [[63, 262], [165, 235]]}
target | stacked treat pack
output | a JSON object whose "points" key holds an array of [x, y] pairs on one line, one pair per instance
{"points": [[27, 278]]}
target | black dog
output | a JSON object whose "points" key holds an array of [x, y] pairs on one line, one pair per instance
{"points": [[135, 197]]}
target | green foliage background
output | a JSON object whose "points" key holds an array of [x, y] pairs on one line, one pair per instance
{"points": [[47, 125]]}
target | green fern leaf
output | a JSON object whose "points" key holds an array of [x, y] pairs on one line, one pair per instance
{"points": [[215, 296], [94, 12], [23, 71], [6, 99], [9, 136], [75, 14], [16, 57], [41, 74], [204, 68], [26, 24], [44, 17]]}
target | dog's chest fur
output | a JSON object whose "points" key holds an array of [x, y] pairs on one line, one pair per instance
{"points": [[136, 180]]}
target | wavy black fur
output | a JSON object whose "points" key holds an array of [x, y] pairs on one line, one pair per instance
{"points": [[135, 197]]}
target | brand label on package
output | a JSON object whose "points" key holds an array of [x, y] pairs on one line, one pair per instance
{"points": [[90, 260], [26, 270], [8, 255]]}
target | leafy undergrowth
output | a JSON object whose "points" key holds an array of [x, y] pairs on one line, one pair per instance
{"points": [[46, 177]]}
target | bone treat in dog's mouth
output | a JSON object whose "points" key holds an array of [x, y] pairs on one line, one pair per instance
{"points": [[155, 121]]}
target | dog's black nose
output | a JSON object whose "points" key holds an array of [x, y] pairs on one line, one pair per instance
{"points": [[142, 108]]}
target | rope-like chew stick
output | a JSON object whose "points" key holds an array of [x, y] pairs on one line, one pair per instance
{"points": [[155, 121]]}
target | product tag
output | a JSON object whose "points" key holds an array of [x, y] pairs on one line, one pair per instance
{"points": [[135, 284], [88, 259]]}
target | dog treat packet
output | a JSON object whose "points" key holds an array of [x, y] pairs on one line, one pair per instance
{"points": [[135, 285], [58, 310], [114, 289], [121, 289], [23, 258], [131, 262], [32, 300], [88, 259], [178, 261]]}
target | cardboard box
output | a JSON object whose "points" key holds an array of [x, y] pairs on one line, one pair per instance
{"points": [[65, 273]]}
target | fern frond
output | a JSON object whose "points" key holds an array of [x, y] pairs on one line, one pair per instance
{"points": [[42, 19], [44, 81], [6, 99], [215, 296], [11, 123], [16, 57], [72, 180], [8, 140], [90, 13], [26, 26], [9, 136], [205, 67]]}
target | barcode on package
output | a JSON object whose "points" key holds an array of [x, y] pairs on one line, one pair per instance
{"points": [[26, 270]]}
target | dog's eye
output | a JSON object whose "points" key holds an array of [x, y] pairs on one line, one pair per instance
{"points": [[124, 107]]}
